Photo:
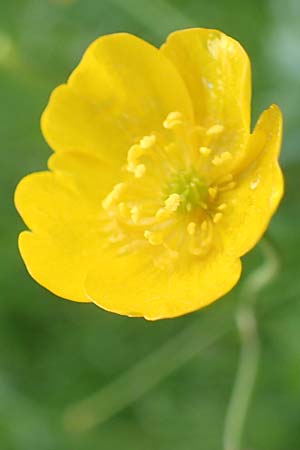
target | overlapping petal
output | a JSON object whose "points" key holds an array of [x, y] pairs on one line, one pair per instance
{"points": [[259, 187], [131, 285], [122, 90], [216, 70], [61, 208]]}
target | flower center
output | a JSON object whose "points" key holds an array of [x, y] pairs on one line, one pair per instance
{"points": [[169, 201], [192, 189]]}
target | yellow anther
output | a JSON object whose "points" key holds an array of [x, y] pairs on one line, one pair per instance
{"points": [[203, 205], [123, 210], [204, 225], [231, 185], [113, 196], [205, 151], [228, 186], [140, 170], [153, 237], [173, 119], [226, 156], [171, 205], [219, 159], [212, 191], [222, 207], [217, 217], [135, 214], [171, 124], [174, 115], [215, 129], [191, 228], [147, 141], [133, 154], [172, 202]]}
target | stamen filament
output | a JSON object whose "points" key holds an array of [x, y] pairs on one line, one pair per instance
{"points": [[215, 129], [217, 217], [191, 228]]}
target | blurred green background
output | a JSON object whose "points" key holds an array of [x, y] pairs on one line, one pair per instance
{"points": [[54, 353]]}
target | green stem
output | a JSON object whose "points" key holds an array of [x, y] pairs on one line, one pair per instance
{"points": [[144, 375], [158, 365], [250, 348]]}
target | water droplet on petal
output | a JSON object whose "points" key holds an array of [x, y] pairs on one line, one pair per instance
{"points": [[254, 183]]}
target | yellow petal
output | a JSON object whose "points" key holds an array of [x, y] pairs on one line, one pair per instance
{"points": [[62, 210], [259, 187], [132, 286], [216, 70], [122, 90]]}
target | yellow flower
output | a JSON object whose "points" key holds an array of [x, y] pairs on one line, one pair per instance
{"points": [[156, 187]]}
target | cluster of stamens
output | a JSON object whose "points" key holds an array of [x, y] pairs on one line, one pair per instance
{"points": [[167, 201]]}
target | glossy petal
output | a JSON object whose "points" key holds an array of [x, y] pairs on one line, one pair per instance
{"points": [[259, 187], [62, 210], [132, 286], [216, 70], [122, 90], [154, 229]]}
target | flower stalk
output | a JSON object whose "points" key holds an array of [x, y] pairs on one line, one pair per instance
{"points": [[246, 323]]}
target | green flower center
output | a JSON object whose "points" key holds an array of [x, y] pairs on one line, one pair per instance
{"points": [[191, 188]]}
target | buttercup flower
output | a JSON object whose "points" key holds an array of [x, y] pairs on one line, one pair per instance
{"points": [[156, 187]]}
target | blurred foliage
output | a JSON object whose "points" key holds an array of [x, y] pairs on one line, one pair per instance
{"points": [[54, 352]]}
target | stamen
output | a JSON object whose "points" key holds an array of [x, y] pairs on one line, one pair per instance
{"points": [[231, 185], [148, 141], [171, 205], [205, 151], [135, 214], [219, 159], [173, 119], [215, 129], [199, 245], [123, 210], [226, 178], [134, 153], [140, 170], [226, 155], [228, 186], [212, 191], [153, 237], [191, 228], [172, 202], [161, 214], [113, 196], [187, 195], [217, 217]]}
